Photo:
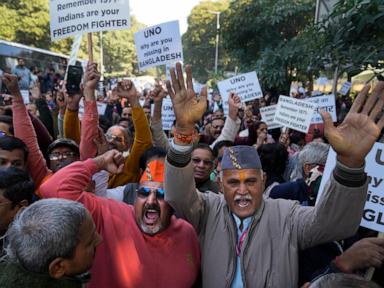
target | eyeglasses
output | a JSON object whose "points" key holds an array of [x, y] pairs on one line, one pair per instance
{"points": [[111, 137], [2, 133], [57, 155], [145, 191], [198, 161]]}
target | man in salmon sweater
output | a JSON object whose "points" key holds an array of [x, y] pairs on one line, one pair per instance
{"points": [[143, 245]]}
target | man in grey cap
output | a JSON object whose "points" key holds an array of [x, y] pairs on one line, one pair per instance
{"points": [[249, 241]]}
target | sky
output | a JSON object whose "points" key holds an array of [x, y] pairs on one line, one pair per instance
{"points": [[152, 12]]}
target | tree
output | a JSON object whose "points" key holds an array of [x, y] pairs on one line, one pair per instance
{"points": [[199, 41]]}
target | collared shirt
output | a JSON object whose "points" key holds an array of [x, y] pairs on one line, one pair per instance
{"points": [[24, 77], [238, 281]]}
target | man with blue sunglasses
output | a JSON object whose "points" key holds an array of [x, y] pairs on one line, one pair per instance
{"points": [[144, 245]]}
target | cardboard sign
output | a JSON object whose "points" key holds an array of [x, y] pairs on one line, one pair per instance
{"points": [[71, 17], [268, 115], [246, 85], [294, 113], [327, 103], [345, 88], [101, 107], [159, 45], [373, 216], [167, 114]]}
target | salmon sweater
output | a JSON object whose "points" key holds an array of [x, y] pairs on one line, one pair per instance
{"points": [[127, 257]]}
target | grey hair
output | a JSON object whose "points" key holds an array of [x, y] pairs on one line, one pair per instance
{"points": [[45, 230], [342, 280], [125, 131], [312, 153]]}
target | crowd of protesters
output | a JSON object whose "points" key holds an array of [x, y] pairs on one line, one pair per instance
{"points": [[113, 200]]}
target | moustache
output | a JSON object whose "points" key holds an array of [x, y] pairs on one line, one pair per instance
{"points": [[152, 207], [243, 197]]}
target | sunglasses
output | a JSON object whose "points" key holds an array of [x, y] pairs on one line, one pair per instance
{"points": [[111, 137], [145, 191]]}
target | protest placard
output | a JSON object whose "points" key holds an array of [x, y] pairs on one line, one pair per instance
{"points": [[345, 88], [159, 45], [101, 107], [167, 114], [71, 17], [294, 113], [246, 85], [268, 115], [326, 103], [373, 216]]}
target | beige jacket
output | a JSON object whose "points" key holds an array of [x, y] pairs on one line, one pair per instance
{"points": [[280, 228]]}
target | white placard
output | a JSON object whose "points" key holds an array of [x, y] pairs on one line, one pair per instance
{"points": [[159, 45], [373, 216], [101, 107], [327, 103], [246, 85], [268, 115], [71, 17], [294, 113], [167, 114], [25, 94], [345, 88]]}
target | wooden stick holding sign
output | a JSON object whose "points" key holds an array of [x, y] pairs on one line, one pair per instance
{"points": [[90, 48], [369, 274]]}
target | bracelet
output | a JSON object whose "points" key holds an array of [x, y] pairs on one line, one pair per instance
{"points": [[186, 137]]}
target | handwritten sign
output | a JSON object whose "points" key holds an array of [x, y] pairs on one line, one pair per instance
{"points": [[159, 45], [326, 103], [268, 115], [246, 85], [373, 216], [71, 17], [345, 88], [294, 113]]}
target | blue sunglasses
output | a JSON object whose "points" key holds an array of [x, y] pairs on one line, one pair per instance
{"points": [[145, 191]]}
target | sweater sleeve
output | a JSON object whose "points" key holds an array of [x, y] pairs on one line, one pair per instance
{"points": [[89, 130], [24, 130], [142, 141], [70, 182], [159, 138], [72, 125]]}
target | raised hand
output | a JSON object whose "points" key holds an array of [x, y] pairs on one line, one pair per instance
{"points": [[12, 84], [126, 89], [188, 109], [111, 161], [234, 103], [354, 138], [92, 77], [101, 142], [158, 94]]}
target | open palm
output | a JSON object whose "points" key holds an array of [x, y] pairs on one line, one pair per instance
{"points": [[353, 139], [188, 109]]}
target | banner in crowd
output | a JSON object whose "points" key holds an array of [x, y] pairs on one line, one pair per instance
{"points": [[268, 115], [71, 17], [327, 103], [345, 88], [101, 107], [246, 85], [373, 216], [159, 45], [294, 113]]}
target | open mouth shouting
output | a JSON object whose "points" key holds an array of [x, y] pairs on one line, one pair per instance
{"points": [[243, 201]]}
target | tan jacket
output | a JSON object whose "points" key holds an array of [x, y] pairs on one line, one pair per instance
{"points": [[280, 228]]}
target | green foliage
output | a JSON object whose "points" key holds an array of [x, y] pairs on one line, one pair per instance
{"points": [[199, 42]]}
